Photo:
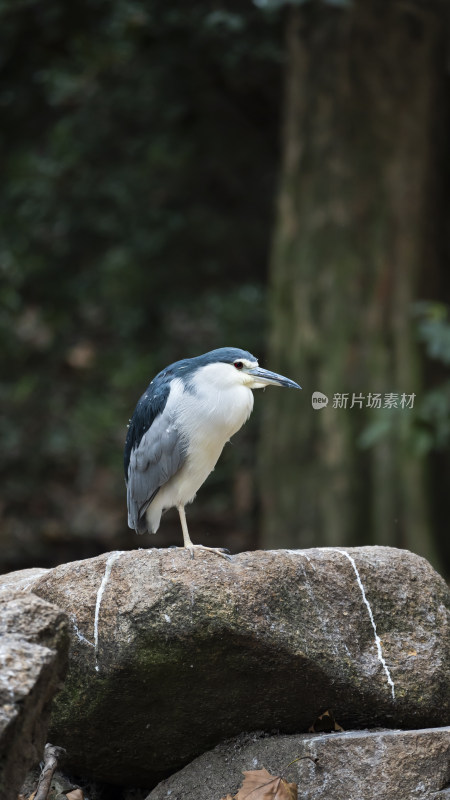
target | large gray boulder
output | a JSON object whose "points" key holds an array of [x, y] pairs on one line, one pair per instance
{"points": [[33, 660], [361, 765], [170, 655]]}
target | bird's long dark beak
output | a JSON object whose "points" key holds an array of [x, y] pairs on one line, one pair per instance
{"points": [[263, 377]]}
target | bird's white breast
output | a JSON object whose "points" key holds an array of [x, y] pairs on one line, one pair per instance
{"points": [[207, 414]]}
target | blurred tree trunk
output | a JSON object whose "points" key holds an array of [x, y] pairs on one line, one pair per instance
{"points": [[357, 241]]}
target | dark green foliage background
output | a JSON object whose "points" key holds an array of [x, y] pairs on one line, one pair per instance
{"points": [[139, 143], [140, 149]]}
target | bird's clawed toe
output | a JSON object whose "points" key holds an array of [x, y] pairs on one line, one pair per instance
{"points": [[219, 551]]}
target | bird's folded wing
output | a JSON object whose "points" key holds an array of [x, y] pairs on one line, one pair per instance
{"points": [[158, 456]]}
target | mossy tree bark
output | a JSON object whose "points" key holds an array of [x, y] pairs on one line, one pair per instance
{"points": [[356, 242]]}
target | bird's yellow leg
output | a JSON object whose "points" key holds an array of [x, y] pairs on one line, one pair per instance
{"points": [[187, 539]]}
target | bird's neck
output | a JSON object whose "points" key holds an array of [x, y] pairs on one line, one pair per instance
{"points": [[224, 407]]}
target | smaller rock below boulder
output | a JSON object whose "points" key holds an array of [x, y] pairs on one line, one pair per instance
{"points": [[367, 765], [33, 658]]}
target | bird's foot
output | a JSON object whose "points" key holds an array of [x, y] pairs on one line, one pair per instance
{"points": [[219, 551]]}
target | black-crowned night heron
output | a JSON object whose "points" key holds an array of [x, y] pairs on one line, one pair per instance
{"points": [[179, 428]]}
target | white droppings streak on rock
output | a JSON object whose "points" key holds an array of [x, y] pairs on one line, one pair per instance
{"points": [[78, 633], [367, 604], [108, 567], [167, 618], [17, 585], [299, 553], [312, 597]]}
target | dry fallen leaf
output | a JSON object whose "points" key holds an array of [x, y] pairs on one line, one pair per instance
{"points": [[325, 724], [75, 794], [261, 785]]}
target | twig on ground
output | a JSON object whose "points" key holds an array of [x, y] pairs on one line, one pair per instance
{"points": [[51, 755]]}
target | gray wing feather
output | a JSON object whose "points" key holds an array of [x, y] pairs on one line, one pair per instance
{"points": [[159, 455]]}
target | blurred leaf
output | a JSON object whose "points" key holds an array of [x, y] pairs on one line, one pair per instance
{"points": [[434, 329], [382, 426], [428, 428]]}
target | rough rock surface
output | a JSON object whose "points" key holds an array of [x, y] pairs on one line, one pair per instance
{"points": [[20, 581], [362, 765], [33, 659], [170, 655]]}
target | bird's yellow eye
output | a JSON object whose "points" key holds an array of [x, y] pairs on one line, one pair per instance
{"points": [[238, 364]]}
